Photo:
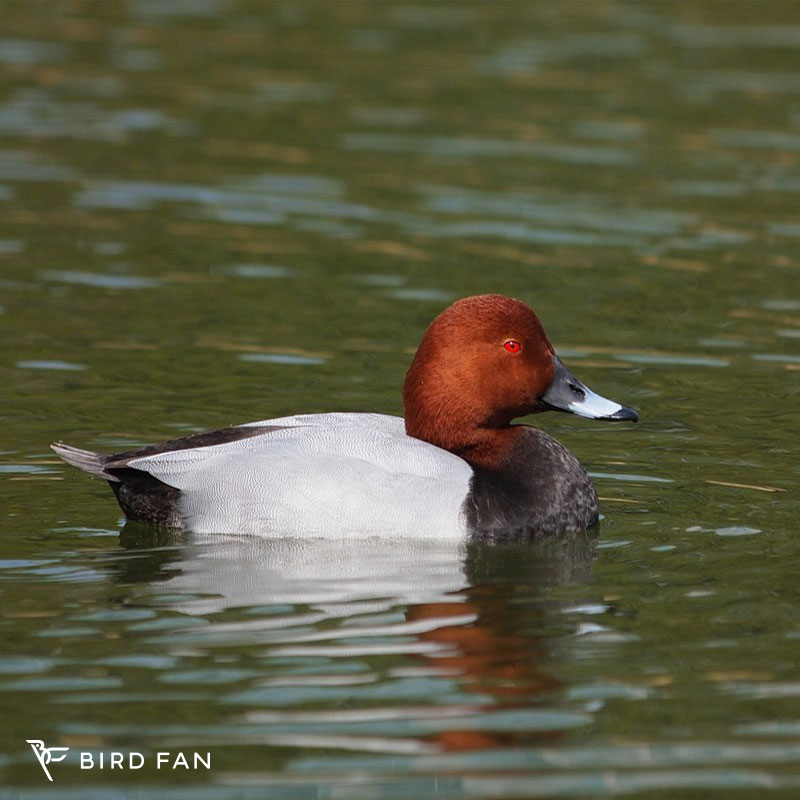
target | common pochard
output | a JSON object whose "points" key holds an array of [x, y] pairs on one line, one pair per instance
{"points": [[456, 466]]}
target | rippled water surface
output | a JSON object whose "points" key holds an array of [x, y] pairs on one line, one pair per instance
{"points": [[219, 211]]}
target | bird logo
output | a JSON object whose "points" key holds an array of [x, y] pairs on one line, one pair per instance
{"points": [[47, 755]]}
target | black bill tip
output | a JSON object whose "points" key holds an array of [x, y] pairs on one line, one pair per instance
{"points": [[623, 415]]}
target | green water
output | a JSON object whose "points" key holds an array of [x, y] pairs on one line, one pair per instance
{"points": [[221, 211]]}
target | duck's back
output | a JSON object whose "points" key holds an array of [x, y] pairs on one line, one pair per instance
{"points": [[314, 474]]}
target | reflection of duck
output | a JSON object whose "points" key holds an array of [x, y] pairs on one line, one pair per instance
{"points": [[490, 656], [218, 572], [454, 467], [441, 603]]}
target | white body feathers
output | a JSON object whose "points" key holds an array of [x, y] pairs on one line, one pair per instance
{"points": [[338, 474]]}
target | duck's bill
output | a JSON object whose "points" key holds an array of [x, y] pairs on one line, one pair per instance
{"points": [[567, 393]]}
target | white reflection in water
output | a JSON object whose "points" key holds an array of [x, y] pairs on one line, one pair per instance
{"points": [[19, 165], [782, 305], [100, 280], [219, 572], [784, 358], [38, 113], [30, 51], [10, 245], [432, 295], [706, 188], [693, 34], [681, 360], [771, 140], [520, 232], [785, 229], [259, 271], [50, 364], [530, 56], [579, 212], [150, 9], [282, 358], [308, 185], [705, 86], [264, 200], [452, 147]]}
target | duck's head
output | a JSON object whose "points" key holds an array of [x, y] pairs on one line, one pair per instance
{"points": [[483, 362]]}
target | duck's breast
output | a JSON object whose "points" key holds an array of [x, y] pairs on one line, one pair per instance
{"points": [[320, 474]]}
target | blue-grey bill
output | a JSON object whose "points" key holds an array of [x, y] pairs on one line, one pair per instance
{"points": [[567, 393]]}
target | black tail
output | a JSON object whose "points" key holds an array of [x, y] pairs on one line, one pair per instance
{"points": [[141, 496], [87, 460]]}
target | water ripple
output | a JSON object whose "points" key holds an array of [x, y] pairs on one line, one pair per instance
{"points": [[465, 147], [37, 113], [282, 358], [30, 51], [51, 364], [581, 213], [19, 165], [99, 279], [525, 57]]}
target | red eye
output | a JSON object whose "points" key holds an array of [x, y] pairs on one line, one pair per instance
{"points": [[513, 346]]}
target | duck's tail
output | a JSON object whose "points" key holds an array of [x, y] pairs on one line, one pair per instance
{"points": [[87, 460]]}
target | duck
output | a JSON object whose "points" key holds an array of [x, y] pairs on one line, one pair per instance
{"points": [[456, 466]]}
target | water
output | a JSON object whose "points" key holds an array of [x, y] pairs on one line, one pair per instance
{"points": [[224, 211]]}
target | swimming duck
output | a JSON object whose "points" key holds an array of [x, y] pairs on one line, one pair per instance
{"points": [[455, 467]]}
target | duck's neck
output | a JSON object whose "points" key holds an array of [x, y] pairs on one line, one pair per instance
{"points": [[450, 426], [490, 448]]}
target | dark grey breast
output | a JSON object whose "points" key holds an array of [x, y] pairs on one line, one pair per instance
{"points": [[541, 490]]}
